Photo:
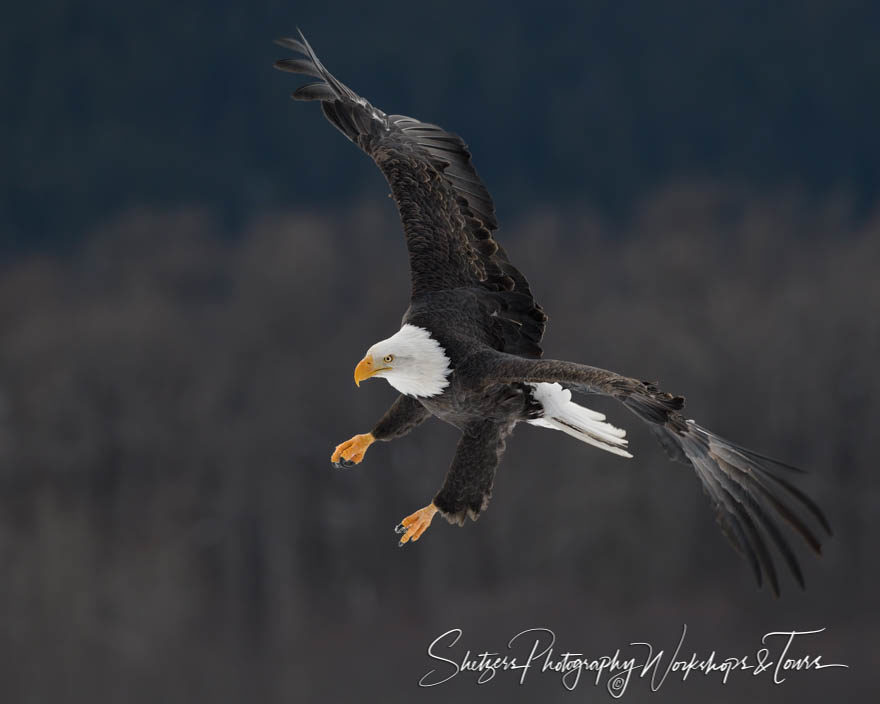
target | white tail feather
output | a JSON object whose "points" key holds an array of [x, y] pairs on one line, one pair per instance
{"points": [[560, 413]]}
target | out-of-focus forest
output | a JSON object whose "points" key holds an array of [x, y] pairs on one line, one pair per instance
{"points": [[172, 528], [191, 266]]}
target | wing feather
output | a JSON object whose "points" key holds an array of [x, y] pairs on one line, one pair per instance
{"points": [[743, 485], [447, 212], [313, 91]]}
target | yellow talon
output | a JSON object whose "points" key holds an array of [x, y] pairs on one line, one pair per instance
{"points": [[352, 451], [416, 523]]}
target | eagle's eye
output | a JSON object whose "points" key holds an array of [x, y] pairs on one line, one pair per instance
{"points": [[388, 358]]}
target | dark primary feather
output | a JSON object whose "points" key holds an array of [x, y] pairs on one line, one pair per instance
{"points": [[313, 91], [303, 66], [447, 212], [744, 486]]}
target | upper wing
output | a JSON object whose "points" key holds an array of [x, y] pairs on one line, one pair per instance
{"points": [[448, 215], [744, 486]]}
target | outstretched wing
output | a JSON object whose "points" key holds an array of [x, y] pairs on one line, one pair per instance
{"points": [[745, 487], [448, 215]]}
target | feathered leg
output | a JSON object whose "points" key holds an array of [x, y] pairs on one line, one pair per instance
{"points": [[468, 485], [404, 415]]}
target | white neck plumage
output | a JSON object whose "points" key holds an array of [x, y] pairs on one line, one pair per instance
{"points": [[420, 366]]}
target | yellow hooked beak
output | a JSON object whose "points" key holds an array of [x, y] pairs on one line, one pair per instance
{"points": [[365, 369]]}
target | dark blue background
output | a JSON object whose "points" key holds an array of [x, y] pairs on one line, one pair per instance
{"points": [[108, 105]]}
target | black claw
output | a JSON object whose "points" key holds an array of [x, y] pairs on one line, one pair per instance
{"points": [[348, 463], [399, 528], [401, 543]]}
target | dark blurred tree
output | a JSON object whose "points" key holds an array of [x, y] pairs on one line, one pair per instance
{"points": [[170, 527]]}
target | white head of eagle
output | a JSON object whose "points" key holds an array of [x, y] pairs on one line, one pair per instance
{"points": [[410, 360]]}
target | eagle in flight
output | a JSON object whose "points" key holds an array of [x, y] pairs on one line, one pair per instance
{"points": [[469, 348]]}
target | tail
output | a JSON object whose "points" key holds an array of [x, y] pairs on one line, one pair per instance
{"points": [[579, 422], [749, 490]]}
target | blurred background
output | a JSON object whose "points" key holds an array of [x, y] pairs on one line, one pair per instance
{"points": [[191, 265]]}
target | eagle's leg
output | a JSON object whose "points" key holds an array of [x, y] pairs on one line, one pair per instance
{"points": [[404, 415], [468, 485], [352, 451], [416, 523]]}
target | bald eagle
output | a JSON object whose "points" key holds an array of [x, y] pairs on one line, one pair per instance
{"points": [[469, 348]]}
